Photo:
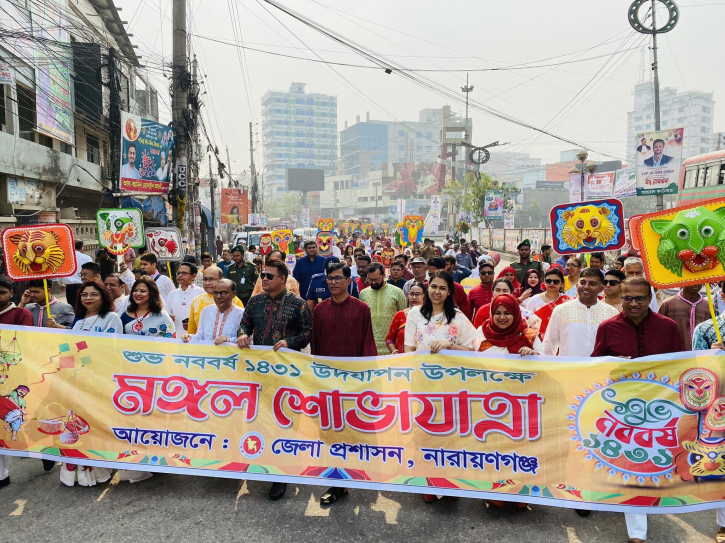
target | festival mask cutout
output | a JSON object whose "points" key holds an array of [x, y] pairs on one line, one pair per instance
{"points": [[325, 225], [385, 227], [585, 227], [633, 225], [706, 459], [120, 229], [414, 227], [281, 240], [290, 260], [165, 243], [324, 243], [685, 245], [401, 235], [698, 389], [39, 252], [388, 256], [265, 244]]}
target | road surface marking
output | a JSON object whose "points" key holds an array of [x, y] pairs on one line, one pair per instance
{"points": [[114, 481], [20, 508], [571, 534], [242, 491]]}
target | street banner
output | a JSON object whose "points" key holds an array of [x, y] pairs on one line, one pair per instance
{"points": [[602, 433], [684, 245], [575, 188], [165, 243], [659, 157], [43, 251], [147, 150], [6, 74], [625, 183], [585, 227], [234, 206], [508, 219], [599, 185], [493, 208]]}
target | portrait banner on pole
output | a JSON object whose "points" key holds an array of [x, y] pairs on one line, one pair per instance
{"points": [[602, 433]]}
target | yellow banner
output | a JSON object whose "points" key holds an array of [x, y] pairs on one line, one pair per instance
{"points": [[607, 434]]}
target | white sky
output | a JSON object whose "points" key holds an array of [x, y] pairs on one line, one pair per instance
{"points": [[464, 35]]}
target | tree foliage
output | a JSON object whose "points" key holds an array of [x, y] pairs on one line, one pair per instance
{"points": [[288, 205], [473, 202]]}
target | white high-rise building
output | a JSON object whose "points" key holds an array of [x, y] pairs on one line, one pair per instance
{"points": [[692, 110]]}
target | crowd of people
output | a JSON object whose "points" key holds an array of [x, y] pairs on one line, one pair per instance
{"points": [[430, 298]]}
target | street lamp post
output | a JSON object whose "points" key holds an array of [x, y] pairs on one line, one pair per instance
{"points": [[591, 167]]}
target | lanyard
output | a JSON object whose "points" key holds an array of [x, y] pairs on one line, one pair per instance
{"points": [[42, 312], [693, 307]]}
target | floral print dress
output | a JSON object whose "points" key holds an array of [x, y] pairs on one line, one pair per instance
{"points": [[420, 333]]}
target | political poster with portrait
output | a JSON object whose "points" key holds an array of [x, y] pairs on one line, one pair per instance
{"points": [[625, 182], [234, 206], [508, 220], [493, 208], [658, 157], [147, 152], [599, 185]]}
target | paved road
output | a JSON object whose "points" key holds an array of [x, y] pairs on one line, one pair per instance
{"points": [[37, 508]]}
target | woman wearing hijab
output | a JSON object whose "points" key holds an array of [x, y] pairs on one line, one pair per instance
{"points": [[531, 286], [506, 331], [509, 273]]}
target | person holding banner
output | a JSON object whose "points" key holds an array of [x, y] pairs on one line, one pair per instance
{"points": [[145, 315], [33, 299], [276, 318], [292, 285], [636, 332], [219, 322], [94, 312], [212, 275], [451, 330], [551, 298], [506, 332], [705, 337], [395, 340]]}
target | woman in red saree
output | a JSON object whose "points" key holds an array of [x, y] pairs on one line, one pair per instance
{"points": [[552, 297]]}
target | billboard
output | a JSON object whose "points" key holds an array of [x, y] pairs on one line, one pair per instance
{"points": [[52, 70], [359, 181], [234, 206], [659, 157], [625, 183], [408, 178], [599, 185], [146, 155], [493, 208], [305, 180]]}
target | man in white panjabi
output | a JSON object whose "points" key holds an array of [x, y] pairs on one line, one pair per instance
{"points": [[219, 322]]}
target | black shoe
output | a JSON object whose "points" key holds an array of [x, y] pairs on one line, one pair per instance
{"points": [[277, 490], [5, 482], [48, 464], [583, 512]]}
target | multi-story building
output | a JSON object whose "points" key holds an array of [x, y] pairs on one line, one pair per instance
{"points": [[692, 110], [527, 167], [366, 146], [299, 130], [54, 137]]}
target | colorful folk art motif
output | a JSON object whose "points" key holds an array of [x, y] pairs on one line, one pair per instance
{"points": [[414, 228], [633, 225], [165, 243], [401, 235], [584, 227], [324, 243], [282, 240], [698, 389], [388, 255], [325, 225], [706, 459], [715, 417], [39, 252], [120, 229], [384, 226], [685, 245], [265, 244]]}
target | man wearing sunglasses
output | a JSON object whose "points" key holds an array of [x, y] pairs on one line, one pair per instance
{"points": [[276, 318], [612, 289], [482, 294], [635, 332]]}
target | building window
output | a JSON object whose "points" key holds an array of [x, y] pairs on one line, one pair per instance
{"points": [[301, 165], [704, 109], [300, 155], [665, 112], [638, 127], [705, 120], [419, 148], [300, 101], [703, 150], [93, 149], [418, 135], [680, 110], [65, 148], [300, 144], [26, 113], [703, 140], [648, 126], [680, 120], [703, 129], [638, 118], [649, 116], [401, 133], [401, 147], [429, 135]]}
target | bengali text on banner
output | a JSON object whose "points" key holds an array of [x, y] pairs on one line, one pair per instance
{"points": [[607, 434]]}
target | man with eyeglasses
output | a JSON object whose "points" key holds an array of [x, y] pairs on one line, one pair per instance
{"points": [[396, 275], [635, 332], [633, 267], [178, 303], [219, 323], [384, 301], [483, 293], [320, 289], [212, 275], [276, 318]]}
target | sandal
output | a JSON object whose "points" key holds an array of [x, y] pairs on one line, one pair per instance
{"points": [[496, 504], [720, 537], [429, 498], [332, 495]]}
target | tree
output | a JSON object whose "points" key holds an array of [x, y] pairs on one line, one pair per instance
{"points": [[290, 204], [474, 201]]}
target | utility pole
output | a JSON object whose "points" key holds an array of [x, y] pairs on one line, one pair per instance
{"points": [[114, 86], [213, 222], [255, 187], [660, 198], [180, 88]]}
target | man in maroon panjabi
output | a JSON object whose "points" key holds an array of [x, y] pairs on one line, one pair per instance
{"points": [[9, 313], [482, 294], [341, 326], [637, 331]]}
